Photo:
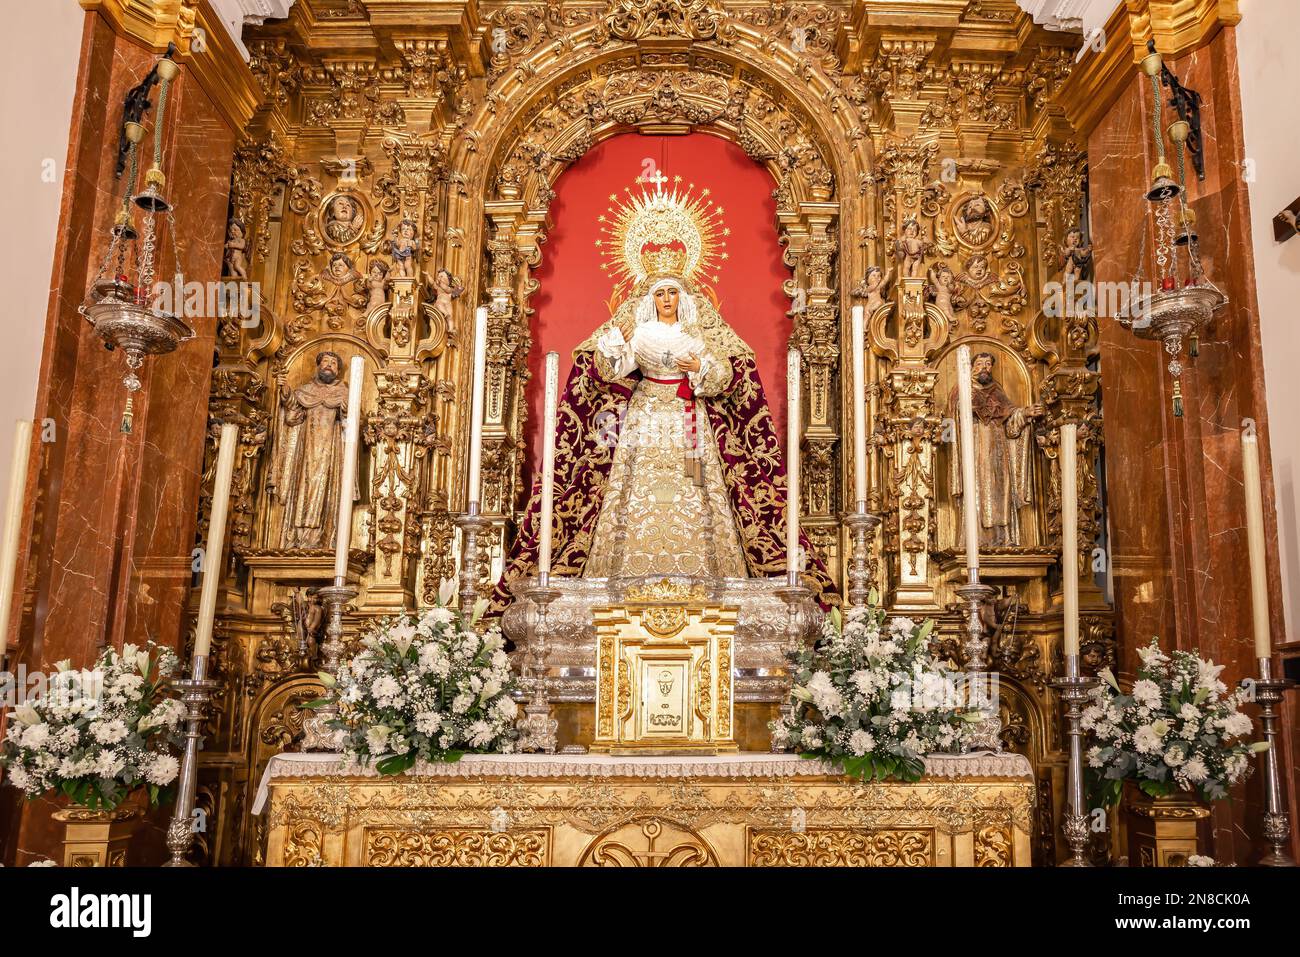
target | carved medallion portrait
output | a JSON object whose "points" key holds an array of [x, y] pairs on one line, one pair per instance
{"points": [[343, 218], [975, 220]]}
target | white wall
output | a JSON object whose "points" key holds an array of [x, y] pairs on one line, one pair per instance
{"points": [[40, 49], [1267, 39]]}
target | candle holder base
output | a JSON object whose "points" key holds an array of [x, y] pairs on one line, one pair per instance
{"points": [[795, 597], [1074, 690], [472, 527], [1269, 692], [195, 693], [976, 646], [317, 734], [861, 527], [537, 728]]}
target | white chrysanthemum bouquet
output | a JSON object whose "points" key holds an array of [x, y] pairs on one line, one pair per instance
{"points": [[425, 688], [870, 697], [98, 735], [1177, 728]]}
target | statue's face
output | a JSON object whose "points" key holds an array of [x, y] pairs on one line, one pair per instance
{"points": [[976, 208], [339, 268], [978, 268], [666, 301], [328, 370], [344, 209], [376, 272], [408, 231], [873, 277], [911, 230], [1072, 238], [982, 370], [443, 282]]}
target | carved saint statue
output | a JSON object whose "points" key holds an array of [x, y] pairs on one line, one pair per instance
{"points": [[307, 463], [1002, 448]]}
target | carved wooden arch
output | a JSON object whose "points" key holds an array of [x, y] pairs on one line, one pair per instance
{"points": [[567, 95]]}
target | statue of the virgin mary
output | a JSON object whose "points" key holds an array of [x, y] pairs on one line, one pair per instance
{"points": [[667, 460]]}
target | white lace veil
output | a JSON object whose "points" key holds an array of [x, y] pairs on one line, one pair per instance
{"points": [[696, 314]]}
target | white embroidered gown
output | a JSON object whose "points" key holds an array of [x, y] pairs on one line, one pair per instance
{"points": [[665, 508]]}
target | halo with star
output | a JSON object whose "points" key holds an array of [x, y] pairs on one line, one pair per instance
{"points": [[653, 216]]}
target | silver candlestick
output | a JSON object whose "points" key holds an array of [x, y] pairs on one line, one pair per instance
{"points": [[795, 596], [987, 735], [1074, 691], [975, 593], [317, 734], [472, 527], [1277, 821], [862, 527], [538, 726], [195, 691]]}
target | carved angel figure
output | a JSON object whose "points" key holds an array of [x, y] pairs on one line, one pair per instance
{"points": [[446, 287], [1076, 257], [910, 249], [236, 251], [376, 284], [403, 247]]}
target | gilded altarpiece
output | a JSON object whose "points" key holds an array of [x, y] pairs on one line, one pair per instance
{"points": [[399, 174]]}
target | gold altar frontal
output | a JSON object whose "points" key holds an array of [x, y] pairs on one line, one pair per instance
{"points": [[753, 810]]}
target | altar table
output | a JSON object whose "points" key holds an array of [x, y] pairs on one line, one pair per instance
{"points": [[748, 809]]}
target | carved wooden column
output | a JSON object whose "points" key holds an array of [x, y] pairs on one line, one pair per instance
{"points": [[402, 429], [906, 333], [812, 249]]}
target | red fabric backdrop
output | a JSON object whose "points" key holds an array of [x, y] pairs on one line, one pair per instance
{"points": [[571, 301]]}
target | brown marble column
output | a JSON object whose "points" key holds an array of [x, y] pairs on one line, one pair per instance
{"points": [[111, 520], [1177, 507]]}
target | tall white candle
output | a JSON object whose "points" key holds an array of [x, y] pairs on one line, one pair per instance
{"points": [[216, 539], [1070, 534], [1255, 542], [548, 464], [13, 522], [966, 448], [347, 485], [792, 428], [859, 410], [476, 409]]}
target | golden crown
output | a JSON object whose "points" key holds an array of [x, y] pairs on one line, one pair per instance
{"points": [[663, 261]]}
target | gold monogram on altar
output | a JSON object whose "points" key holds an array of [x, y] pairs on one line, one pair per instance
{"points": [[664, 673]]}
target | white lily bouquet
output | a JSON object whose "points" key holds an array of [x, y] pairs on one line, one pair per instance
{"points": [[1177, 728], [424, 688], [871, 698], [98, 735]]}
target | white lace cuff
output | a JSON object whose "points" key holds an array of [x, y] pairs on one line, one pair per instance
{"points": [[618, 351], [700, 376]]}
